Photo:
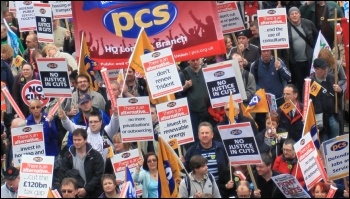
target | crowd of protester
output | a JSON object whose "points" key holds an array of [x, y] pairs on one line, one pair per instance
{"points": [[81, 132]]}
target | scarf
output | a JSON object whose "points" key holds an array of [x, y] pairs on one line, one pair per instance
{"points": [[217, 113]]}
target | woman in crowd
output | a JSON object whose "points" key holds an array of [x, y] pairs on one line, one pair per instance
{"points": [[268, 140], [27, 74], [11, 21], [320, 190], [229, 46], [7, 56], [119, 147], [38, 116], [109, 186], [148, 177]]}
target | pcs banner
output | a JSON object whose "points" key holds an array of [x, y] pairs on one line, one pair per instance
{"points": [[181, 25]]}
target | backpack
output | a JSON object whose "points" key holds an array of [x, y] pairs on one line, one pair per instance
{"points": [[188, 184]]}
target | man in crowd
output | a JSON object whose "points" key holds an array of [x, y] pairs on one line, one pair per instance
{"points": [[199, 181], [83, 163], [194, 88], [152, 146], [59, 34], [266, 188], [32, 44], [270, 75], [249, 52], [213, 151], [288, 162], [69, 188], [302, 39], [10, 188], [292, 121]]}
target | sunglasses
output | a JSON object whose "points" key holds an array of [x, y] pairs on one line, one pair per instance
{"points": [[66, 191], [152, 160], [35, 107]]}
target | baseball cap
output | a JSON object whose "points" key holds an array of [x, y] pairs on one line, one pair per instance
{"points": [[11, 173], [84, 98], [245, 33]]}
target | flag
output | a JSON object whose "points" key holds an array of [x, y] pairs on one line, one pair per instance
{"points": [[321, 43], [86, 64], [174, 145], [144, 46], [315, 88], [287, 107], [13, 41], [169, 167], [310, 124], [120, 78], [231, 112], [247, 114], [18, 61], [258, 104], [128, 190]]}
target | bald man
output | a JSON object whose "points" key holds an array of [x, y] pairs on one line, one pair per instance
{"points": [[243, 189], [32, 43]]}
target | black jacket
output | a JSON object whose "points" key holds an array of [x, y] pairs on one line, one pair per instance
{"points": [[93, 165], [294, 126], [275, 149]]}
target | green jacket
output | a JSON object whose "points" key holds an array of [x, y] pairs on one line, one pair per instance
{"points": [[308, 11]]}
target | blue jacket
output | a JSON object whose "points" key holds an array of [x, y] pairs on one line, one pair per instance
{"points": [[79, 120], [270, 79], [7, 76], [50, 134]]}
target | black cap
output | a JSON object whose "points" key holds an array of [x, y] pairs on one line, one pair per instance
{"points": [[320, 63], [245, 32], [11, 173]]}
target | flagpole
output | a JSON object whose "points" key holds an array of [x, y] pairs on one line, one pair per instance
{"points": [[335, 46], [132, 55], [296, 108], [178, 159], [81, 48]]}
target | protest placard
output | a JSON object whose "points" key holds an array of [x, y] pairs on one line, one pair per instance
{"points": [[230, 18], [336, 155], [43, 18], [113, 74], [135, 119], [240, 143], [221, 78], [36, 176], [61, 9], [34, 90], [271, 100], [12, 6], [175, 121], [160, 68], [120, 160], [306, 152], [28, 140], [54, 77], [25, 15], [273, 28], [290, 186], [117, 24]]}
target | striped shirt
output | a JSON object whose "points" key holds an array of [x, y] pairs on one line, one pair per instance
{"points": [[210, 155]]}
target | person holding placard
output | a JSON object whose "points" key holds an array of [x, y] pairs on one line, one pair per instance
{"points": [[99, 134], [134, 87], [148, 177], [26, 75], [10, 188], [59, 34], [52, 51], [266, 188], [152, 146], [288, 162], [115, 86], [32, 43], [83, 163], [292, 121], [11, 21], [38, 116]]}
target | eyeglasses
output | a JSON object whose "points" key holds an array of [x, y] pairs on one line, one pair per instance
{"points": [[152, 160], [66, 191], [80, 82], [35, 107], [94, 122]]}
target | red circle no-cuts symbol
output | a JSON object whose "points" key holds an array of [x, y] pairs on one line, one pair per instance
{"points": [[34, 90]]}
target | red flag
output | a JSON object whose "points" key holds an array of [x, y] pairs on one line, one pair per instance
{"points": [[345, 26]]}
